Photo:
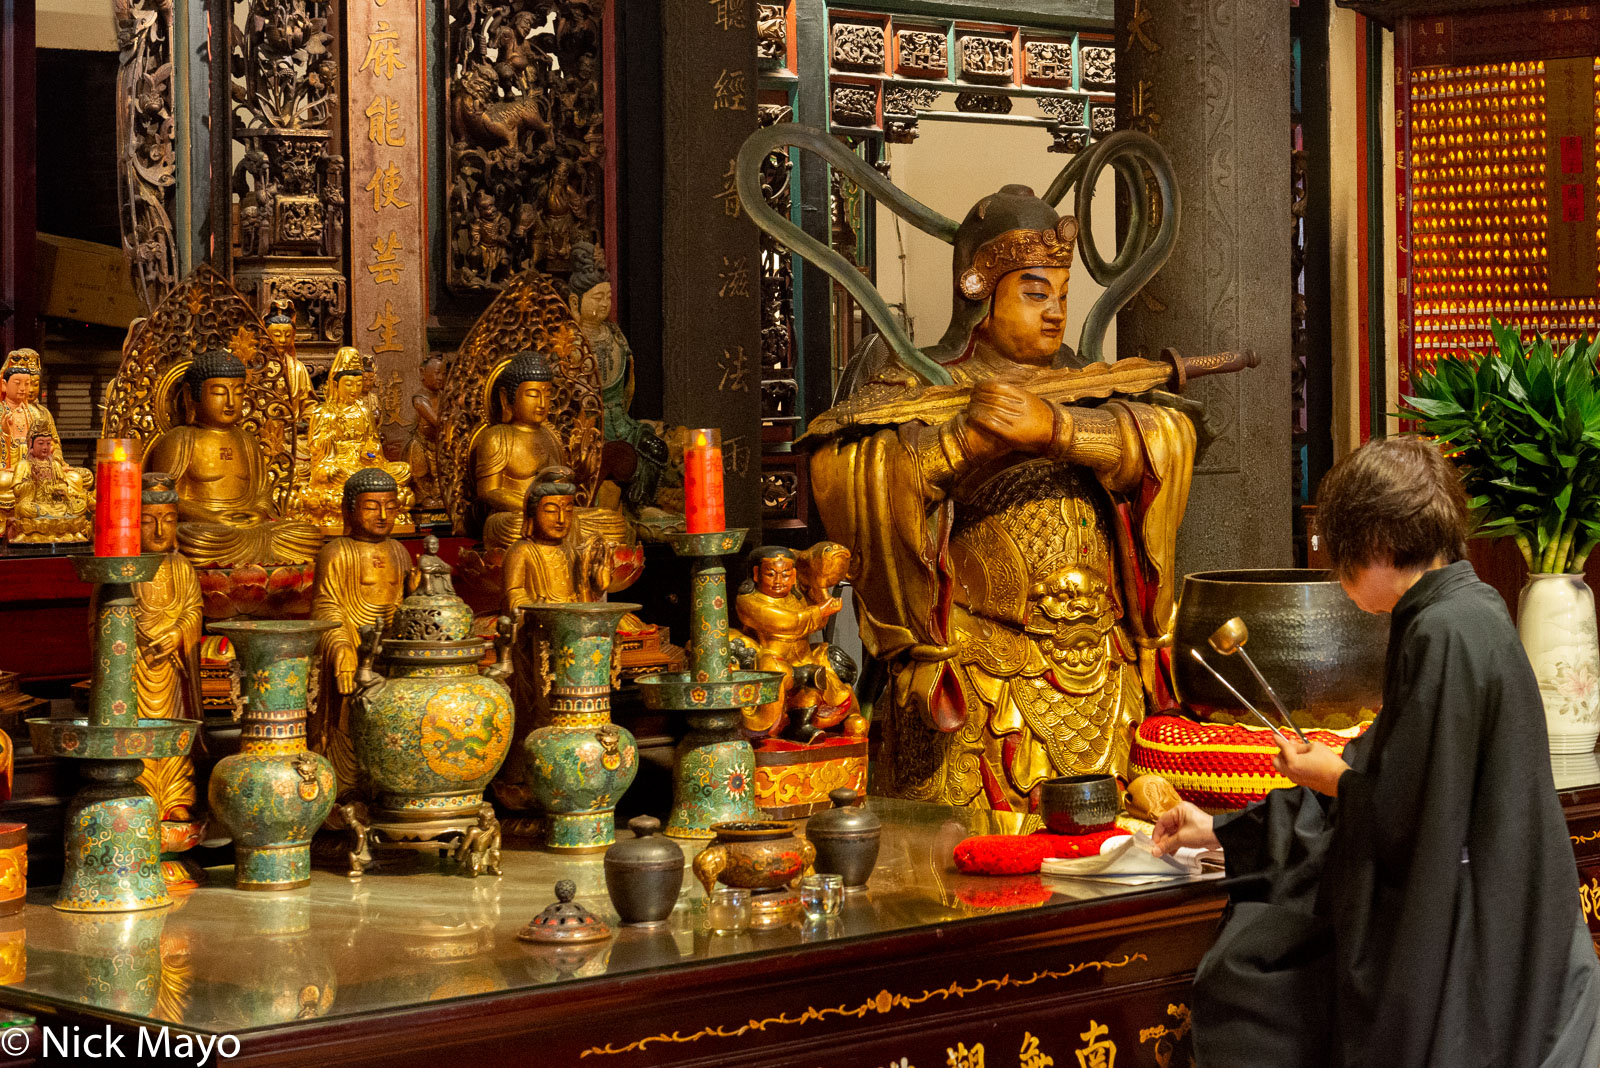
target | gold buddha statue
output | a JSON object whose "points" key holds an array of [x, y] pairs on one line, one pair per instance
{"points": [[1013, 565], [778, 620], [166, 668], [508, 455], [20, 410], [280, 329], [46, 500], [343, 438], [553, 563], [361, 579], [225, 512]]}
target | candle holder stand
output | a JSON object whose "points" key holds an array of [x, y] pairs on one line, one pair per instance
{"points": [[113, 828], [714, 768]]}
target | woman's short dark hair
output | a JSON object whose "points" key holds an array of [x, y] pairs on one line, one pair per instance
{"points": [[1396, 501]]}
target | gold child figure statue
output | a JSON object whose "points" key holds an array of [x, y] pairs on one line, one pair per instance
{"points": [[778, 621], [225, 511], [509, 454], [1014, 563], [166, 670], [47, 501], [343, 439], [361, 579]]}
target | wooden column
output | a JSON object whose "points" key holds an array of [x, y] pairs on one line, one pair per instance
{"points": [[19, 299], [387, 139], [710, 264], [1210, 81]]}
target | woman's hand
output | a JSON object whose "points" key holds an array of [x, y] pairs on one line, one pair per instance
{"points": [[1309, 764], [1183, 826]]}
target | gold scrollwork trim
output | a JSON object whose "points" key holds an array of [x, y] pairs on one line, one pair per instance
{"points": [[1586, 839], [884, 1002]]}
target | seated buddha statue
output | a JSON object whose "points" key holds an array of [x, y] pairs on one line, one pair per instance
{"points": [[508, 455], [361, 578], [47, 501], [343, 438], [225, 512]]}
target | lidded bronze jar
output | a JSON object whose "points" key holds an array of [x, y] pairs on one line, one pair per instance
{"points": [[846, 838], [644, 874]]}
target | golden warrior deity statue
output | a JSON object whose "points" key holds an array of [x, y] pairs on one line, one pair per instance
{"points": [[361, 579], [225, 510], [343, 438], [1011, 553], [786, 600], [166, 671], [508, 455]]}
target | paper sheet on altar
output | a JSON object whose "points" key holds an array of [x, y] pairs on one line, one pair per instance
{"points": [[1127, 861]]}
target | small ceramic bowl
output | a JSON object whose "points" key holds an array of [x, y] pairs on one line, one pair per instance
{"points": [[1078, 804]]}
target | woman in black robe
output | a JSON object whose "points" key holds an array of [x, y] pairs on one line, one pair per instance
{"points": [[1417, 905]]}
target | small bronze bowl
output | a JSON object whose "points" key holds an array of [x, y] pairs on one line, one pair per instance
{"points": [[1078, 804]]}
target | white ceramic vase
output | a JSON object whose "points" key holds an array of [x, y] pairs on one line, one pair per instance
{"points": [[1556, 622]]}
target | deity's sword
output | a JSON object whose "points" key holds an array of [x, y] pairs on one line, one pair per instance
{"points": [[889, 404]]}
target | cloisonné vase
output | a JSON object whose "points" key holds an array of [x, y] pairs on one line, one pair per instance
{"points": [[113, 827], [579, 765], [431, 734], [274, 793]]}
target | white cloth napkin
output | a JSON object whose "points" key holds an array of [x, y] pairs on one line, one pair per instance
{"points": [[1126, 860]]}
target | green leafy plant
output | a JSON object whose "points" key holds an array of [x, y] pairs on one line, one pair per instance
{"points": [[1523, 423]]}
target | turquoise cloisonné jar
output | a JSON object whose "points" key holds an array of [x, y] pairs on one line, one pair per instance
{"points": [[582, 763], [274, 793], [432, 731]]}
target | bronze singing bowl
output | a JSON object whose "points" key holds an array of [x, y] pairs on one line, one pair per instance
{"points": [[1322, 655]]}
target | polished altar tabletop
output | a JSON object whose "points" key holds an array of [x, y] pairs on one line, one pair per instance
{"points": [[416, 932]]}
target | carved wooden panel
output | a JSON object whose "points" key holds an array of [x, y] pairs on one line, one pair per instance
{"points": [[989, 58], [146, 136], [922, 52], [857, 45], [288, 187], [772, 36], [1047, 62], [1099, 65], [855, 105], [525, 141]]}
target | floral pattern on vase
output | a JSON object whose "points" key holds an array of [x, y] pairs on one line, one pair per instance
{"points": [[1556, 622], [274, 793], [582, 762]]}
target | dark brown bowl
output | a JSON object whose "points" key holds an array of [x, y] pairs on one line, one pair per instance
{"points": [[1078, 804]]}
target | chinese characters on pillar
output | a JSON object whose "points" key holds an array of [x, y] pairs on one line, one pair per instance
{"points": [[388, 185], [711, 249]]}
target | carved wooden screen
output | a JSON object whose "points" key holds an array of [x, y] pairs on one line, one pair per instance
{"points": [[526, 149]]}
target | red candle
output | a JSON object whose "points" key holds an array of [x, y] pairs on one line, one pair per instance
{"points": [[702, 482], [116, 497]]}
